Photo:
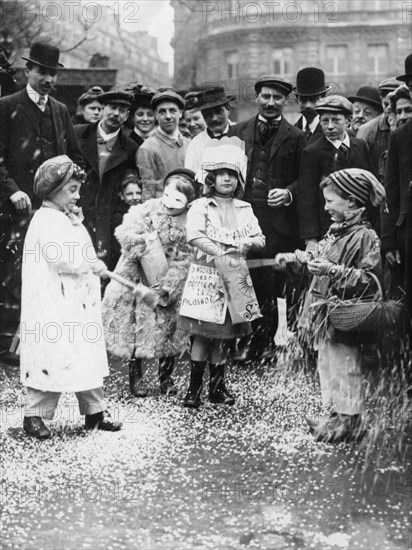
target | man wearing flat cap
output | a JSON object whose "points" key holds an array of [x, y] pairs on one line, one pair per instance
{"points": [[309, 90], [273, 147], [375, 133], [395, 235], [214, 104], [33, 128], [109, 153], [366, 106], [335, 150], [165, 149]]}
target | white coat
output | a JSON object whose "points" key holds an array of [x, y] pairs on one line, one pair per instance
{"points": [[61, 334]]}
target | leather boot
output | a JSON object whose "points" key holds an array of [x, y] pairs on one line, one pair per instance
{"points": [[192, 398], [34, 425], [137, 387], [217, 389], [101, 421], [166, 383]]}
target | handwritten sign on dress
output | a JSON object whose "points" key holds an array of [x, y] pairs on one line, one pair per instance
{"points": [[203, 296]]}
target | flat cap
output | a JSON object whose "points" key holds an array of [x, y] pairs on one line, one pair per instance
{"points": [[273, 81], [168, 95], [335, 104], [118, 98], [388, 85]]}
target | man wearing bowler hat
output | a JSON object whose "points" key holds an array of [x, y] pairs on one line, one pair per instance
{"points": [[214, 104], [33, 128], [396, 225], [366, 106], [165, 149], [109, 152], [335, 150], [309, 90], [273, 147], [375, 133]]}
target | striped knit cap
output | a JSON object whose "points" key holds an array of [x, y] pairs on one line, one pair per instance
{"points": [[362, 185]]}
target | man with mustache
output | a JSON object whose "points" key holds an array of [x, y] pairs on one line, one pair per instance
{"points": [[33, 128], [273, 147], [366, 106], [309, 90], [109, 153]]}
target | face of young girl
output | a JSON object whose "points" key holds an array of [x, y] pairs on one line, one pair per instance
{"points": [[174, 201], [336, 206], [131, 194], [68, 195], [226, 182]]}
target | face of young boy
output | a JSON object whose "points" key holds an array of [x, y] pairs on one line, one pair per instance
{"points": [[68, 195], [333, 125], [131, 194], [336, 206], [226, 182]]}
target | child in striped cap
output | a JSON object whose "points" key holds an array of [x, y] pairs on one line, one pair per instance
{"points": [[348, 254]]}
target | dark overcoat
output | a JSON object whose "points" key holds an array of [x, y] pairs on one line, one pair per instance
{"points": [[100, 194]]}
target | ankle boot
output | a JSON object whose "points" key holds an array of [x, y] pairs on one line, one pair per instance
{"points": [[192, 398], [166, 383], [217, 389], [137, 387]]}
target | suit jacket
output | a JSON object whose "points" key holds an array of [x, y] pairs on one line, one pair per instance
{"points": [[315, 135], [19, 146], [278, 225], [320, 159], [100, 194], [398, 176]]}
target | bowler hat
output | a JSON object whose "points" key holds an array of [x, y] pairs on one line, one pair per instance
{"points": [[387, 85], [273, 81], [168, 95], [368, 95], [335, 104], [118, 98], [211, 97], [408, 69], [44, 54], [310, 81]]}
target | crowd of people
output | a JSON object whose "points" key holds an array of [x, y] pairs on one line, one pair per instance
{"points": [[177, 201]]}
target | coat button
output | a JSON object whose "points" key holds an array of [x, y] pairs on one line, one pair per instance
{"points": [[31, 171], [37, 139]]}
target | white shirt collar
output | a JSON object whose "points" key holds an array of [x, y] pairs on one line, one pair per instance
{"points": [[104, 136], [263, 119], [337, 143], [225, 131], [35, 96]]}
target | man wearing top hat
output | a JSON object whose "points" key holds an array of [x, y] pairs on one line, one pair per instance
{"points": [[367, 105], [33, 128], [335, 150], [309, 90], [165, 149], [396, 225], [375, 133], [109, 153], [214, 104], [273, 148]]}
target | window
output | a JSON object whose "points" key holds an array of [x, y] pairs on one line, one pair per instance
{"points": [[282, 62], [378, 58], [232, 64], [336, 60]]}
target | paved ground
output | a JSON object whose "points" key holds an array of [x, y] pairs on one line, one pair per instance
{"points": [[248, 476]]}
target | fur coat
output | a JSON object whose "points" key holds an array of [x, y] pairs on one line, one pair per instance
{"points": [[129, 324]]}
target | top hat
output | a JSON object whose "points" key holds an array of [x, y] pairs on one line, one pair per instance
{"points": [[273, 81], [44, 54], [210, 97], [118, 98], [167, 95], [368, 95], [310, 81], [335, 104], [408, 69]]}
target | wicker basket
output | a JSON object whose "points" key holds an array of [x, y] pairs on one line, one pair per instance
{"points": [[365, 315]]}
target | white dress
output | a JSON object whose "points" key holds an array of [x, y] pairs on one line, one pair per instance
{"points": [[61, 333]]}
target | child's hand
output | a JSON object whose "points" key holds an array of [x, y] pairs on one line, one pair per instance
{"points": [[99, 269], [319, 267]]}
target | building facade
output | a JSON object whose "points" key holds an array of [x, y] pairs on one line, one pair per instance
{"points": [[355, 42]]}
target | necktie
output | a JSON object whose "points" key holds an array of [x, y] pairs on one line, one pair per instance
{"points": [[266, 128], [212, 135], [344, 151], [307, 131], [42, 103]]}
